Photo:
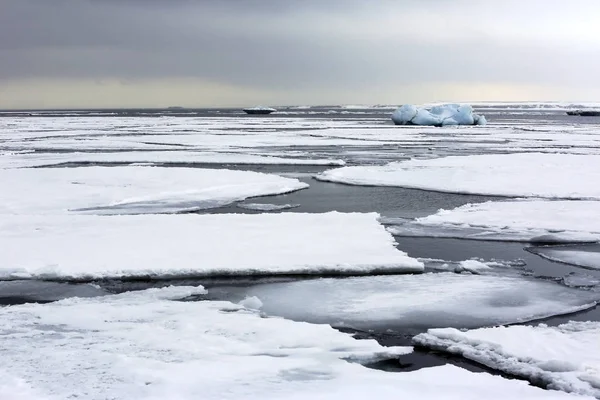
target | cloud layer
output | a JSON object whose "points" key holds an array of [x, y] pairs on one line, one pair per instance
{"points": [[156, 52]]}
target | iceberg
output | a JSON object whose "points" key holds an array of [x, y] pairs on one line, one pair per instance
{"points": [[537, 221], [100, 348], [566, 357], [421, 301], [557, 176], [440, 115], [87, 247], [133, 189]]}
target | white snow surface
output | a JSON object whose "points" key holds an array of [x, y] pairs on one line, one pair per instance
{"points": [[85, 247], [101, 348], [424, 301], [531, 220], [566, 357], [561, 176], [132, 190], [439, 115]]}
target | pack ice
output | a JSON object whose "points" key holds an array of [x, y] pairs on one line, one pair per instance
{"points": [[528, 221], [132, 190], [420, 301], [560, 176], [566, 357], [84, 247], [439, 115], [145, 345]]}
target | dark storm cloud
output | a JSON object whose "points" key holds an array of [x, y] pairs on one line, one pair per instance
{"points": [[275, 43]]}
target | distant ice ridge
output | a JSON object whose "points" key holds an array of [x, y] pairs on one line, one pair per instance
{"points": [[422, 301], [99, 348], [86, 247], [440, 115], [537, 221], [560, 176], [133, 189], [565, 358]]}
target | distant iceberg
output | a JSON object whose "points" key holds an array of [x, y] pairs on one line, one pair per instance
{"points": [[259, 110], [441, 115]]}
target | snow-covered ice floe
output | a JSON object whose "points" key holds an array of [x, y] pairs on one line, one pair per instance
{"points": [[440, 115], [580, 258], [101, 348], [565, 358], [84, 247], [536, 221], [561, 176], [132, 190], [421, 301], [38, 159]]}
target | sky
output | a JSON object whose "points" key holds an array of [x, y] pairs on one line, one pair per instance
{"points": [[203, 53]]}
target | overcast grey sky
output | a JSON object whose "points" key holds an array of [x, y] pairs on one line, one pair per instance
{"points": [[152, 53]]}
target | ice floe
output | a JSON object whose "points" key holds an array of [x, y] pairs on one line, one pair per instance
{"points": [[578, 257], [565, 358], [267, 207], [561, 176], [439, 115], [421, 301], [83, 247], [132, 190], [144, 345], [528, 221]]}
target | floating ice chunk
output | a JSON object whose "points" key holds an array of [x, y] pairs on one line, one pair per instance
{"points": [[563, 176], [132, 190], [101, 348], [535, 221], [89, 247], [565, 358], [440, 115], [251, 303], [420, 301], [473, 266], [267, 207], [580, 258]]}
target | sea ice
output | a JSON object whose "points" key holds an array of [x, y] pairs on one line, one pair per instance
{"points": [[267, 207], [580, 258], [530, 221], [101, 348], [11, 159], [440, 115], [565, 358], [420, 301], [561, 176], [83, 247], [132, 190]]}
